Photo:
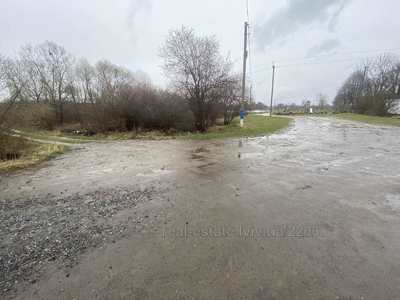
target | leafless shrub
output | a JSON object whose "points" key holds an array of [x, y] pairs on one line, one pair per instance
{"points": [[11, 148], [230, 99], [45, 87], [371, 89]]}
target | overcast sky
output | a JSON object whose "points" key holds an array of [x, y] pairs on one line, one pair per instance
{"points": [[334, 35]]}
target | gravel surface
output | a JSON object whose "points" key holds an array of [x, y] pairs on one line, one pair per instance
{"points": [[36, 230]]}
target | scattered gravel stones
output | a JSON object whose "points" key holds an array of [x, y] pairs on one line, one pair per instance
{"points": [[54, 228]]}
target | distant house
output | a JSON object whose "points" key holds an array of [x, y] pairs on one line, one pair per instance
{"points": [[395, 110]]}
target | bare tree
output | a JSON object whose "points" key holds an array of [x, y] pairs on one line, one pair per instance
{"points": [[196, 69], [112, 82], [230, 98], [373, 88], [85, 75], [10, 87], [53, 63], [2, 77], [50, 89], [33, 88], [110, 78]]}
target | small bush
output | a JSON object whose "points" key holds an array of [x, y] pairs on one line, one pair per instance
{"points": [[44, 117], [32, 115], [11, 148]]}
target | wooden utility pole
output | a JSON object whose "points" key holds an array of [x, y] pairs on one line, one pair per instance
{"points": [[364, 80], [245, 54], [272, 90], [251, 94]]}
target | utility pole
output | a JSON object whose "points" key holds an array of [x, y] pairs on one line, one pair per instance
{"points": [[272, 89], [251, 94], [245, 54], [364, 79]]}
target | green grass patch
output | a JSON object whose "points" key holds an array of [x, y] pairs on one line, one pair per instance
{"points": [[254, 125], [390, 121]]}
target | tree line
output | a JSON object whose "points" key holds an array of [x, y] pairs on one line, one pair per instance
{"points": [[44, 86], [374, 88]]}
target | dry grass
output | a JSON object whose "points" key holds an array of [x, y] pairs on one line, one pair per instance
{"points": [[18, 153]]}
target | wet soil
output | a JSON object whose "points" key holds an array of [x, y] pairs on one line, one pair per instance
{"points": [[312, 212]]}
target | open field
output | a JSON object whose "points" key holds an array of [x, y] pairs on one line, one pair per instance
{"points": [[390, 121]]}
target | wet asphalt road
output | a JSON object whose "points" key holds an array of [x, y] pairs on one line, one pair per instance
{"points": [[312, 212]]}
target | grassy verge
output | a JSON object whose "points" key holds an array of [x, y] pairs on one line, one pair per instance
{"points": [[31, 155], [390, 121], [255, 125], [60, 137], [52, 136]]}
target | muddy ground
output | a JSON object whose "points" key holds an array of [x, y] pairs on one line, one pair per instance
{"points": [[312, 212]]}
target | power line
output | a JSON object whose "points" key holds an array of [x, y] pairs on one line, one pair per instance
{"points": [[319, 63], [344, 52], [332, 55], [311, 63], [306, 62]]}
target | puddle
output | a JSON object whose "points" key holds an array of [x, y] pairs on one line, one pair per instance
{"points": [[201, 150], [197, 156], [200, 153], [392, 200], [206, 165]]}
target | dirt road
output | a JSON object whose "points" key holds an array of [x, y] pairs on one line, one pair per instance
{"points": [[309, 213]]}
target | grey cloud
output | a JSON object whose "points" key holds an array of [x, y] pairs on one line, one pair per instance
{"points": [[335, 16], [325, 46], [296, 14], [136, 7]]}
